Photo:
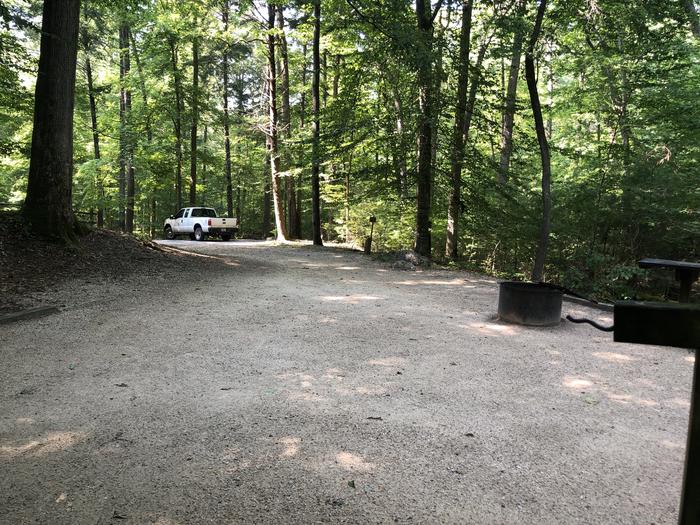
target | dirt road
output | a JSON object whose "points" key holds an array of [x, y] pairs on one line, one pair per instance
{"points": [[296, 385]]}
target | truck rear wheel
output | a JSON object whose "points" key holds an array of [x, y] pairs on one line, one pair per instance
{"points": [[199, 235]]}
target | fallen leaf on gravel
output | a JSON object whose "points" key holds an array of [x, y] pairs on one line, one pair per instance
{"points": [[71, 366], [351, 483], [118, 516], [226, 388], [591, 400], [121, 385], [63, 497], [375, 418], [469, 435]]}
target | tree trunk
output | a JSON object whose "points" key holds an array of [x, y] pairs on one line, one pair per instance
{"points": [[473, 88], [302, 104], [95, 142], [239, 191], [334, 93], [315, 108], [689, 6], [177, 120], [130, 180], [154, 206], [47, 207], [266, 205], [458, 134], [509, 112], [550, 91], [272, 138], [324, 71], [347, 206], [285, 121], [142, 86], [302, 124], [425, 120], [204, 165], [439, 76], [227, 135], [93, 124], [530, 75], [195, 120], [122, 133], [398, 156], [126, 146]]}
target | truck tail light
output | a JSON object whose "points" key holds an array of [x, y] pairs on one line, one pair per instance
{"points": [[209, 222]]}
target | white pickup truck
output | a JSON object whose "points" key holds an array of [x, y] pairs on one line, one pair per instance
{"points": [[198, 223]]}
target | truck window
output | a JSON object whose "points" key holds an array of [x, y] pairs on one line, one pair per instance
{"points": [[188, 213], [180, 213], [203, 212]]}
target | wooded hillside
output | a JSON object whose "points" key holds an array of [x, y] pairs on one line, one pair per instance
{"points": [[522, 138]]}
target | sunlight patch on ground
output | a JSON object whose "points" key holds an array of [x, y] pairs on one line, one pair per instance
{"points": [[52, 442], [584, 386], [388, 361], [334, 373], [491, 328], [348, 268], [614, 357], [683, 403], [431, 282], [308, 265], [576, 382], [351, 299], [291, 446], [306, 396], [627, 398], [673, 445], [353, 462]]}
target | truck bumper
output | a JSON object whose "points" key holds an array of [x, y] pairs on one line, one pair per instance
{"points": [[222, 231]]}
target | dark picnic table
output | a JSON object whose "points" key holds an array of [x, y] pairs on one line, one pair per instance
{"points": [[686, 273]]}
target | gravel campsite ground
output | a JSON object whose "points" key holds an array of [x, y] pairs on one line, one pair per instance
{"points": [[255, 383]]}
